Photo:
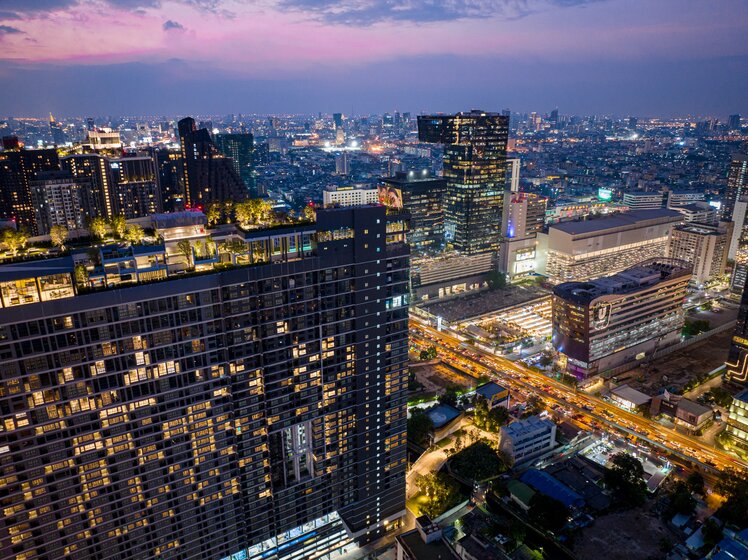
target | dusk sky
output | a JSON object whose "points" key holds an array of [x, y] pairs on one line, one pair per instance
{"points": [[110, 57]]}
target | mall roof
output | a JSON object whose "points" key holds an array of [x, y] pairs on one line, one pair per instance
{"points": [[632, 219]]}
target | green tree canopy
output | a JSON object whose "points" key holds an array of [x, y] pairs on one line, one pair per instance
{"points": [[441, 493], [98, 227], [58, 234], [547, 513], [118, 225], [625, 477], [419, 427]]}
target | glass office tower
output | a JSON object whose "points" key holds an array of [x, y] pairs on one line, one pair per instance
{"points": [[475, 171]]}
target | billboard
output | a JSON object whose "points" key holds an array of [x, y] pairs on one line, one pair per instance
{"points": [[391, 197]]}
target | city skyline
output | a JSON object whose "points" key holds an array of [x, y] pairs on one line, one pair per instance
{"points": [[217, 56]]}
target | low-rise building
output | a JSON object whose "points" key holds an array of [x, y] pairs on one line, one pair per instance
{"points": [[629, 398], [525, 439], [495, 394], [445, 420], [425, 542]]}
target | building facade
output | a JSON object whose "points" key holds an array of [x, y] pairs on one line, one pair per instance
{"points": [[209, 176], [474, 167], [703, 246], [643, 200], [255, 412], [56, 198], [423, 197], [135, 186], [523, 218], [579, 251], [240, 148], [737, 420], [604, 323], [737, 180], [528, 438], [349, 196], [737, 359]]}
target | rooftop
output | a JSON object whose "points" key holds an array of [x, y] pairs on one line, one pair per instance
{"points": [[442, 414], [526, 426], [631, 395], [419, 550], [642, 275], [490, 390], [693, 407], [626, 220]]}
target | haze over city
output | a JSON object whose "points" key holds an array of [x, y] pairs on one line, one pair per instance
{"points": [[663, 58]]}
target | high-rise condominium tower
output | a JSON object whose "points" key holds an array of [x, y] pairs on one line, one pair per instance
{"points": [[255, 412], [737, 182], [475, 170], [209, 176]]}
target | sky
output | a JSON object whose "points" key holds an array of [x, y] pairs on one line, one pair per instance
{"points": [[172, 57]]}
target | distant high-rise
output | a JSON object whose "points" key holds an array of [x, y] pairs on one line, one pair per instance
{"points": [[58, 135], [135, 187], [733, 123], [17, 169], [240, 148], [633, 121], [90, 124], [56, 198], [209, 176], [170, 169], [343, 164], [475, 171], [92, 172], [737, 181], [554, 116], [337, 119]]}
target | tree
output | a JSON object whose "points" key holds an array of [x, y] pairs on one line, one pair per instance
{"points": [[708, 305], [134, 234], [625, 477], [487, 419], [440, 491], [309, 213], [419, 427], [449, 397], [98, 227], [234, 246], [721, 396], [14, 240], [58, 234], [546, 359], [81, 274], [213, 213], [424, 355], [228, 210], [734, 486], [711, 532], [695, 482], [185, 248], [547, 513], [432, 352], [533, 406], [496, 279], [118, 225], [681, 500], [478, 461]]}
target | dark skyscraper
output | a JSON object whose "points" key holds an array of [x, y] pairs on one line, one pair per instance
{"points": [[209, 176], [58, 135], [475, 171], [337, 118], [733, 123], [240, 148], [251, 413], [737, 360], [423, 197], [17, 170], [737, 181], [170, 169]]}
